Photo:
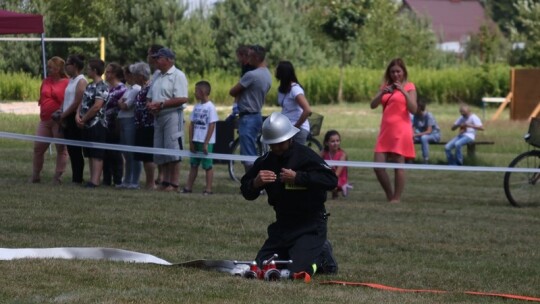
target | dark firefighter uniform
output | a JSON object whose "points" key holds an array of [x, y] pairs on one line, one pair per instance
{"points": [[299, 232]]}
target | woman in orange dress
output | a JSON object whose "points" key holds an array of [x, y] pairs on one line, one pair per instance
{"points": [[395, 141]]}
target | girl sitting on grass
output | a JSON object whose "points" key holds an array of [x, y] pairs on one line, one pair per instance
{"points": [[332, 151]]}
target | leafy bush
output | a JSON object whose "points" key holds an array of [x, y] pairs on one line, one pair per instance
{"points": [[462, 84], [19, 86]]}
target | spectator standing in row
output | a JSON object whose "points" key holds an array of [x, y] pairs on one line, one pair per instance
{"points": [[51, 98], [293, 101], [397, 96], [169, 91], [72, 100], [202, 136], [113, 163], [250, 94], [468, 123], [426, 129], [144, 121], [242, 56], [91, 119], [126, 119], [152, 62]]}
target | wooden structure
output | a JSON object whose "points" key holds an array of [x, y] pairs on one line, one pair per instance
{"points": [[524, 97], [504, 101], [526, 94]]}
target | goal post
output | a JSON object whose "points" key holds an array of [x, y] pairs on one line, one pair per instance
{"points": [[101, 41]]}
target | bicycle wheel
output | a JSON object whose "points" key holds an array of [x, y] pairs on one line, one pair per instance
{"points": [[314, 144], [236, 168], [523, 188]]}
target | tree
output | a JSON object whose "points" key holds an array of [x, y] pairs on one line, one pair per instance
{"points": [[487, 46], [342, 21], [83, 18], [137, 24], [504, 13], [279, 26], [401, 34], [22, 56], [195, 46], [129, 26], [528, 15]]}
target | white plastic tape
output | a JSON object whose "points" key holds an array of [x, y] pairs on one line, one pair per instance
{"points": [[234, 157]]}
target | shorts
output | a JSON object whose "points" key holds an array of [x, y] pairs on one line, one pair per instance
{"points": [[144, 137], [166, 134], [96, 133], [206, 163]]}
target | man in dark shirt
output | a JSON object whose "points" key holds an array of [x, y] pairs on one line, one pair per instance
{"points": [[296, 180]]}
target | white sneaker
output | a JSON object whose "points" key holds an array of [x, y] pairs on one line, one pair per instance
{"points": [[345, 189]]}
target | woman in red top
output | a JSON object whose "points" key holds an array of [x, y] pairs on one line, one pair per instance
{"points": [[50, 100], [395, 142]]}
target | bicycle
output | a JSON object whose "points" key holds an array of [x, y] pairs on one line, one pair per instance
{"points": [[522, 189], [236, 168]]}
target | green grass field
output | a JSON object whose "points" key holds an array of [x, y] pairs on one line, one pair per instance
{"points": [[453, 231]]}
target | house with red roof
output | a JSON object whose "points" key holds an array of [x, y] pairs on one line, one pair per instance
{"points": [[453, 21]]}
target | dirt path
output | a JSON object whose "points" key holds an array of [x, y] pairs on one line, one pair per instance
{"points": [[25, 107], [31, 107]]}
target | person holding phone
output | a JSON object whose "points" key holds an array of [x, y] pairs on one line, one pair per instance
{"points": [[397, 96]]}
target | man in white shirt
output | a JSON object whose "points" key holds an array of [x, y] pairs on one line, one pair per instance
{"points": [[468, 124], [168, 93]]}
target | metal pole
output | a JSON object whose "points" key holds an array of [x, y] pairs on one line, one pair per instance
{"points": [[44, 58], [102, 48]]}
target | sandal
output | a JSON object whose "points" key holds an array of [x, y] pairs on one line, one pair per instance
{"points": [[90, 185], [164, 185], [207, 192], [185, 190], [170, 188]]}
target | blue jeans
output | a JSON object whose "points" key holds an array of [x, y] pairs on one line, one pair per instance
{"points": [[456, 143], [249, 127], [301, 137], [425, 140], [127, 137]]}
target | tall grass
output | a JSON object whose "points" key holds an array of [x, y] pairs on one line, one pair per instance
{"points": [[454, 231], [19, 86], [450, 85]]}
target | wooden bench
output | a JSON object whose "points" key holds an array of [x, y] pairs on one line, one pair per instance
{"points": [[471, 147]]}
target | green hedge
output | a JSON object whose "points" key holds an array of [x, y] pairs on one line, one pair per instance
{"points": [[466, 84], [460, 84], [19, 86]]}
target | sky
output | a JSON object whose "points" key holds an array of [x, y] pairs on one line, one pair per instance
{"points": [[197, 3]]}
